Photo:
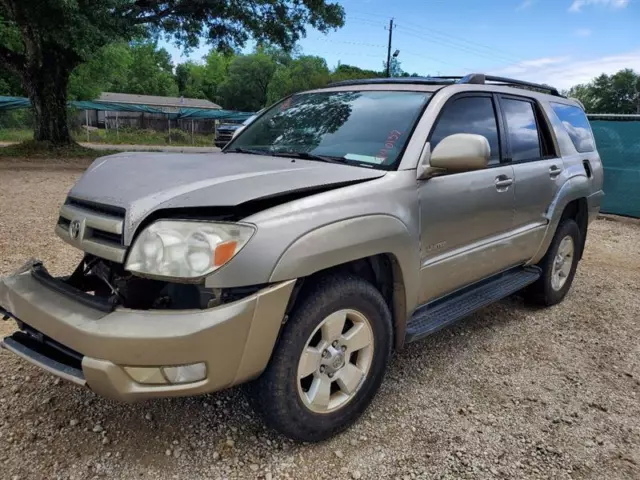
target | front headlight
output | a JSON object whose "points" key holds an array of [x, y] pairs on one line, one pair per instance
{"points": [[186, 249]]}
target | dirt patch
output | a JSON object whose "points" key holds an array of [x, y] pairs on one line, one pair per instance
{"points": [[511, 392]]}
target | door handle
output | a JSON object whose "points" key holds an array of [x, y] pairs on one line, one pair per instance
{"points": [[554, 171], [503, 183]]}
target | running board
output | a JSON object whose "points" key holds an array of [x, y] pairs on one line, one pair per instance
{"points": [[440, 313]]}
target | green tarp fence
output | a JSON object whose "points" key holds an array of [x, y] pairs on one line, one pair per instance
{"points": [[16, 103], [618, 143]]}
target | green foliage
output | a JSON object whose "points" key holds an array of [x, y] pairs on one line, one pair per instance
{"points": [[617, 93], [150, 72], [43, 41], [348, 72], [302, 73], [13, 134], [47, 150], [197, 80], [396, 69], [109, 67], [247, 82]]}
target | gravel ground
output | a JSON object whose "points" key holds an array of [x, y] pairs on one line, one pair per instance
{"points": [[512, 392]]}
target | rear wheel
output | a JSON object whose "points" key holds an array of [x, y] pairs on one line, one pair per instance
{"points": [[558, 266], [329, 362]]}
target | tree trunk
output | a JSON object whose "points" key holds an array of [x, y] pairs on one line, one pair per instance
{"points": [[46, 86]]}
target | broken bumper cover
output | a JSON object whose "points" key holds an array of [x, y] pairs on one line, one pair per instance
{"points": [[85, 345]]}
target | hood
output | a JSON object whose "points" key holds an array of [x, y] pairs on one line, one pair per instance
{"points": [[142, 183]]}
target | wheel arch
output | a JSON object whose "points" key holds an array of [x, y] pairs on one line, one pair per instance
{"points": [[378, 248], [570, 202]]}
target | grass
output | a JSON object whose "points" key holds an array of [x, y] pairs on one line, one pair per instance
{"points": [[45, 151], [123, 137], [145, 137], [15, 134]]}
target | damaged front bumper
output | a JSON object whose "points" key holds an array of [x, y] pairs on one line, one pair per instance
{"points": [[65, 334]]}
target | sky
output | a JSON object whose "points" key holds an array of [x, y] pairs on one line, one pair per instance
{"points": [[559, 42]]}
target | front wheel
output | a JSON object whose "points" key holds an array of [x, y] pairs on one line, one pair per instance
{"points": [[558, 266], [329, 362]]}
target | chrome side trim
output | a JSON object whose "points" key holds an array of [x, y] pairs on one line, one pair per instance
{"points": [[483, 243]]}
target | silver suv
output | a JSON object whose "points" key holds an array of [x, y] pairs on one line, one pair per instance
{"points": [[338, 226]]}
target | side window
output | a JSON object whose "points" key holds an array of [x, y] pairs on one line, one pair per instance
{"points": [[469, 115], [522, 129], [577, 126]]}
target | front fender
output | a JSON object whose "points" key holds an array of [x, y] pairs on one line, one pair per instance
{"points": [[353, 239]]}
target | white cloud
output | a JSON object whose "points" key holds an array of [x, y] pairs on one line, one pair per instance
{"points": [[527, 65], [564, 72], [526, 4], [583, 32], [577, 5]]}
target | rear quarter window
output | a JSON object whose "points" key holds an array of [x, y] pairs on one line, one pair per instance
{"points": [[577, 125]]}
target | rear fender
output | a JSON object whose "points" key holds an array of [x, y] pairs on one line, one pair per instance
{"points": [[576, 187]]}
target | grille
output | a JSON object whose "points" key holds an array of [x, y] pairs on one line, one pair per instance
{"points": [[99, 228]]}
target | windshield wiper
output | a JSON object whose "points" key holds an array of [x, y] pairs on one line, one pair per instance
{"points": [[309, 156], [247, 150]]}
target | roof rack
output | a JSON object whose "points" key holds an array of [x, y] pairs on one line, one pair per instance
{"points": [[398, 80], [473, 78], [482, 79]]}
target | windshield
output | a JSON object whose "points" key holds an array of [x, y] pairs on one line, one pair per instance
{"points": [[367, 128]]}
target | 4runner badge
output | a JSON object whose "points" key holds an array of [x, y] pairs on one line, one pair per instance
{"points": [[74, 229]]}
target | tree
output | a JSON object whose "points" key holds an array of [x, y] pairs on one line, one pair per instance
{"points": [[247, 82], [395, 70], [617, 93], [302, 73], [43, 41], [348, 72], [197, 80], [150, 72], [107, 69], [10, 84], [190, 78]]}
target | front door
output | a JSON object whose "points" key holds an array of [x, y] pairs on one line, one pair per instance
{"points": [[466, 218]]}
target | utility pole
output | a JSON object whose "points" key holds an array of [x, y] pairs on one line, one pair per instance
{"points": [[389, 48]]}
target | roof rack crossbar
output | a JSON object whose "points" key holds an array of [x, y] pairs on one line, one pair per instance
{"points": [[481, 79]]}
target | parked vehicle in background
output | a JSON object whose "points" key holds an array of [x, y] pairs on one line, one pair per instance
{"points": [[247, 122], [338, 226], [228, 131], [224, 132]]}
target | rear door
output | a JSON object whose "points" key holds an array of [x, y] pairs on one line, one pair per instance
{"points": [[536, 165]]}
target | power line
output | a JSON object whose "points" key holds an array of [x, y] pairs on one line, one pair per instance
{"points": [[453, 43], [351, 43], [353, 54], [366, 21], [450, 45], [421, 29], [421, 55], [444, 42]]}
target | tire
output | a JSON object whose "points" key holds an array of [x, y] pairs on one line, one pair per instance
{"points": [[278, 395], [544, 291]]}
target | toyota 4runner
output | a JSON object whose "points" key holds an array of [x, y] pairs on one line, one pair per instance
{"points": [[339, 225]]}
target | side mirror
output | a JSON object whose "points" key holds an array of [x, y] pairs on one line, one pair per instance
{"points": [[461, 152]]}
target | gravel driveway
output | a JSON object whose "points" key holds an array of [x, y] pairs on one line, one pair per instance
{"points": [[512, 392]]}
